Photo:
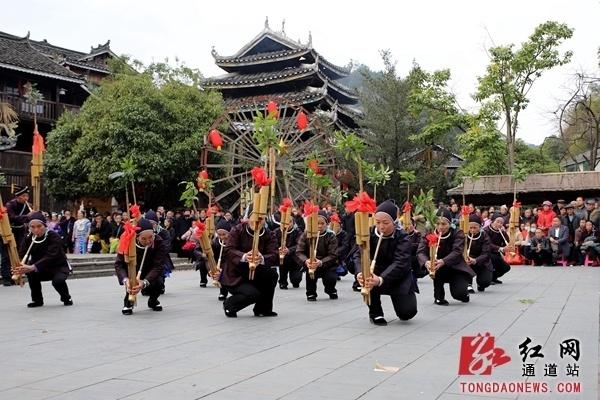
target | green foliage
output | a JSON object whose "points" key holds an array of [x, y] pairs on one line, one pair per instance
{"points": [[377, 175], [318, 181], [159, 128], [425, 207], [337, 196], [351, 146], [265, 133], [407, 176], [511, 74], [189, 195], [32, 94]]}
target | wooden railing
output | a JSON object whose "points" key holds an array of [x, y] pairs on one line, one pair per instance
{"points": [[45, 110]]}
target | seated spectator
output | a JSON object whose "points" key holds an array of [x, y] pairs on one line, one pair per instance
{"points": [[524, 241], [590, 242], [558, 235], [592, 213], [540, 253], [485, 218], [545, 217], [527, 217]]}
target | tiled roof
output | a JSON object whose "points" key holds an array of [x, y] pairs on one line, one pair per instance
{"points": [[19, 54], [307, 96], [260, 57], [237, 80]]}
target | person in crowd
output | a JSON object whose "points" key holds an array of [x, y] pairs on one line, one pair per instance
{"points": [[545, 217], [558, 236], [81, 233], [66, 231], [478, 254], [580, 209], [541, 252]]}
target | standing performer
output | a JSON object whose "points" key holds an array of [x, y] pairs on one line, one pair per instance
{"points": [[498, 245], [218, 245], [478, 254], [235, 278], [43, 259], [18, 209], [151, 253], [323, 262], [449, 266], [289, 265], [166, 237], [392, 275]]}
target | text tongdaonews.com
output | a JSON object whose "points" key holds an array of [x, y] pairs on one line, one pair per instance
{"points": [[520, 387]]}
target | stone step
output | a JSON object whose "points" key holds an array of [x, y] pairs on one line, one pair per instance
{"points": [[90, 265]]}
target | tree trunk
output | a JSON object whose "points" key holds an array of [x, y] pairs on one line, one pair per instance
{"points": [[510, 144]]}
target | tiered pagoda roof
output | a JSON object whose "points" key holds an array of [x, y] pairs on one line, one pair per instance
{"points": [[274, 66]]}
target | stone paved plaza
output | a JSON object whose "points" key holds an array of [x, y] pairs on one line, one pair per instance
{"points": [[322, 350]]}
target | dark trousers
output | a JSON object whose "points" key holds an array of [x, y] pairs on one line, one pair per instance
{"points": [[201, 265], [329, 278], [484, 275], [4, 262], [457, 280], [290, 268], [59, 281], [542, 257], [500, 266], [153, 291], [259, 291], [405, 305]]}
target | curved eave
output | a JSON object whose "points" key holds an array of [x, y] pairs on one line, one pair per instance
{"points": [[341, 72], [339, 88], [266, 58], [87, 67], [343, 109], [41, 73], [254, 81], [296, 98]]}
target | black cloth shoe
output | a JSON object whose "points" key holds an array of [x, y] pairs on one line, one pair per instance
{"points": [[283, 287], [230, 313], [465, 299], [333, 296], [154, 305], [496, 281], [470, 289], [34, 304], [68, 302], [202, 284], [222, 297], [441, 302], [296, 285], [311, 297], [480, 289], [356, 287], [8, 282], [378, 321], [127, 310], [265, 314]]}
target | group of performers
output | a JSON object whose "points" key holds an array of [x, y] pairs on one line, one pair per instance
{"points": [[253, 259]]}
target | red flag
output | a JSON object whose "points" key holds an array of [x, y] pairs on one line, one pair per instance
{"points": [[38, 143], [260, 177], [361, 203]]}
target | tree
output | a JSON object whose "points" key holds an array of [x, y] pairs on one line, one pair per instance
{"points": [[579, 120], [153, 118], [511, 74]]}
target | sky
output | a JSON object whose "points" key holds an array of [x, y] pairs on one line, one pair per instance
{"points": [[436, 34]]}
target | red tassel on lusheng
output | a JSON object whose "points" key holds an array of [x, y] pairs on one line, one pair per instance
{"points": [[135, 211], [407, 207], [200, 228], [517, 204], [215, 139], [3, 211], [272, 109], [309, 208], [464, 210], [260, 177], [432, 239], [202, 179], [38, 143], [335, 218], [126, 237], [301, 121], [361, 203], [285, 205]]}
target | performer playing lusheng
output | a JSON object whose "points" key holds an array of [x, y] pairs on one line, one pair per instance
{"points": [[235, 277], [152, 267], [325, 261], [18, 210], [392, 275], [289, 267], [498, 246], [478, 246], [43, 259], [450, 266]]}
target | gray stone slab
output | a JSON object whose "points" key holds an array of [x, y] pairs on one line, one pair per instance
{"points": [[322, 350]]}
